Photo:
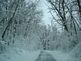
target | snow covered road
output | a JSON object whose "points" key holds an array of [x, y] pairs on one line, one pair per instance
{"points": [[37, 56]]}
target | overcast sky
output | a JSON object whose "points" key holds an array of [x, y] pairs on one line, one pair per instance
{"points": [[47, 17]]}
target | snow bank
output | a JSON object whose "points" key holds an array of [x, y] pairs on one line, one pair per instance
{"points": [[21, 55], [62, 56]]}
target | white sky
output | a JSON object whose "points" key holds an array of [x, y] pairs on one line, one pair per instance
{"points": [[43, 5], [47, 17]]}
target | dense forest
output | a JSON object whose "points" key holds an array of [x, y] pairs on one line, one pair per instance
{"points": [[22, 27]]}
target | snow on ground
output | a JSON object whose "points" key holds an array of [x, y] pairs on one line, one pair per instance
{"points": [[20, 56], [45, 56], [61, 56], [24, 55]]}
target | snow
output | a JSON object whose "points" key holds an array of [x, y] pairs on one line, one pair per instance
{"points": [[25, 55], [62, 56], [20, 56]]}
